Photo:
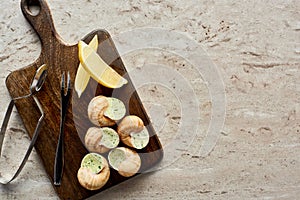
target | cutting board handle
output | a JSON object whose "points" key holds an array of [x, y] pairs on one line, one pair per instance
{"points": [[41, 22]]}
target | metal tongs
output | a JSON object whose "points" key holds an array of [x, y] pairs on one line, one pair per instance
{"points": [[36, 85]]}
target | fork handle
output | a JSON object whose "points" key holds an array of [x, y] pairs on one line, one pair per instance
{"points": [[59, 160], [59, 156]]}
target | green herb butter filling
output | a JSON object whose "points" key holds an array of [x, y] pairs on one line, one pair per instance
{"points": [[110, 138], [116, 109], [140, 139], [93, 161], [116, 157]]}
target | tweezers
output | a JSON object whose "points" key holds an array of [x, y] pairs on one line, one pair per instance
{"points": [[35, 86]]}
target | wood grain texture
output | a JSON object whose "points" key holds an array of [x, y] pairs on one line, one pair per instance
{"points": [[61, 57]]}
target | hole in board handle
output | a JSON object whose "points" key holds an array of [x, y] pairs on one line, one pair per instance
{"points": [[33, 7]]}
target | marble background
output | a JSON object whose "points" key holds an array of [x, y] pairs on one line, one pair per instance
{"points": [[255, 47]]}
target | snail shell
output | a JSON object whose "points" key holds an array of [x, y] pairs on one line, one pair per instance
{"points": [[132, 132], [100, 140], [96, 109], [126, 161], [88, 177], [105, 111]]}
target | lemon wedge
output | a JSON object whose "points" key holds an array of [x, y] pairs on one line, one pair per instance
{"points": [[97, 68], [82, 77]]}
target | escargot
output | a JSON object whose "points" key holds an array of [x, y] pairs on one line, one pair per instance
{"points": [[100, 140], [126, 161], [105, 111], [132, 132], [94, 172]]}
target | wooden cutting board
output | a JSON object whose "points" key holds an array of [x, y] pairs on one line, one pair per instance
{"points": [[60, 57]]}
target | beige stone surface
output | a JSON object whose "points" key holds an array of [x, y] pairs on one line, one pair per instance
{"points": [[255, 45]]}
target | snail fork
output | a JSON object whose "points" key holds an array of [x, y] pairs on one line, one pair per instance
{"points": [[64, 101]]}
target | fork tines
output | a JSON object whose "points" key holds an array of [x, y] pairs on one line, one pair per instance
{"points": [[63, 92]]}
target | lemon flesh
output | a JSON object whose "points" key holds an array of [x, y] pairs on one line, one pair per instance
{"points": [[82, 77], [97, 68]]}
